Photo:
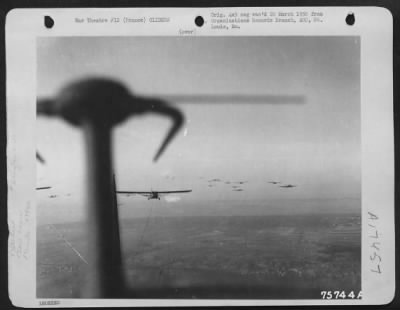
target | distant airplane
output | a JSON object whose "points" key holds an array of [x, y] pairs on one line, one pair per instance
{"points": [[52, 196], [287, 186], [44, 187], [237, 190], [154, 194], [274, 182]]}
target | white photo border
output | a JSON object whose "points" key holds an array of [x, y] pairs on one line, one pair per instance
{"points": [[373, 25]]}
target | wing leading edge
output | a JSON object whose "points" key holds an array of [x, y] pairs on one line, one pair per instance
{"points": [[172, 192], [154, 192]]}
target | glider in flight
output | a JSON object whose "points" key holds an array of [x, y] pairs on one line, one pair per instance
{"points": [[154, 194]]}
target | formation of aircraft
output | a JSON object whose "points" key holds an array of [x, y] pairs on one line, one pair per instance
{"points": [[154, 194], [150, 195], [283, 186], [235, 188]]}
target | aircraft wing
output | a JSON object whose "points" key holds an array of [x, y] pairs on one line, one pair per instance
{"points": [[154, 192], [173, 192], [45, 187], [135, 193]]}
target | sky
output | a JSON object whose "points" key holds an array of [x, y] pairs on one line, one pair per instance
{"points": [[314, 145]]}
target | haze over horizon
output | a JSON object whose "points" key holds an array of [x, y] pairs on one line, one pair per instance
{"points": [[315, 145]]}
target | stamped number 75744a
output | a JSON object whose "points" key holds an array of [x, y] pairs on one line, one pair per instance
{"points": [[341, 295]]}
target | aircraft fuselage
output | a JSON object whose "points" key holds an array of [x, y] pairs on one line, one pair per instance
{"points": [[154, 195]]}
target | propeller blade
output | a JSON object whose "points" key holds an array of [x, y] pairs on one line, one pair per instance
{"points": [[40, 158], [161, 107], [45, 106]]}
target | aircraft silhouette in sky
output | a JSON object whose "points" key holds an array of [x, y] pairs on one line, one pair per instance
{"points": [[288, 186], [154, 194], [44, 187]]}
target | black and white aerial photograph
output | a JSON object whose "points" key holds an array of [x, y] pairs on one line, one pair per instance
{"points": [[209, 167]]}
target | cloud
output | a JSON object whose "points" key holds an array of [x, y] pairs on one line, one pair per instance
{"points": [[170, 199]]}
